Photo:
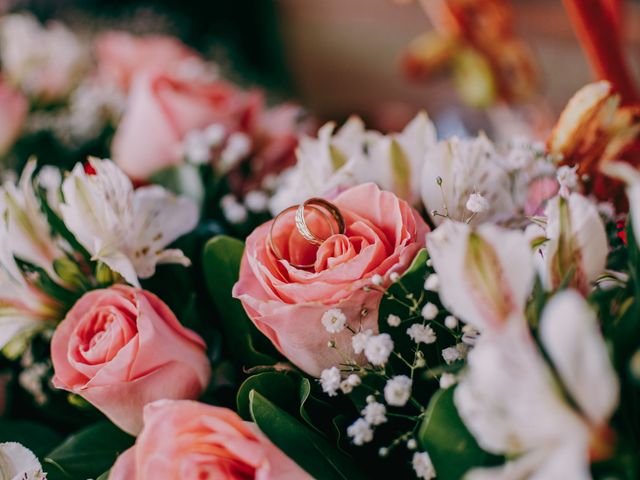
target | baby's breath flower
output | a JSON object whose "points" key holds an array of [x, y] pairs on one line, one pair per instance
{"points": [[397, 391], [429, 311], [233, 210], [334, 320], [360, 432], [359, 341], [377, 279], [451, 354], [256, 201], [393, 320], [412, 444], [477, 203], [395, 276], [330, 381], [432, 282], [378, 348], [447, 380], [451, 322], [375, 413], [421, 333], [422, 465]]}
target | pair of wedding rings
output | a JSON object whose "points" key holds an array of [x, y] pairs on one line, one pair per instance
{"points": [[329, 212]]}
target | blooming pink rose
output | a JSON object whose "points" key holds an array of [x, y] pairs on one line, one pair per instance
{"points": [[162, 109], [121, 348], [189, 440], [121, 56], [383, 234], [13, 112]]}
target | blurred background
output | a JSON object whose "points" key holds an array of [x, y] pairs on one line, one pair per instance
{"points": [[338, 57]]}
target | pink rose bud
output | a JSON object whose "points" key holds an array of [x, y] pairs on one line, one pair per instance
{"points": [[184, 439], [121, 348], [383, 235]]}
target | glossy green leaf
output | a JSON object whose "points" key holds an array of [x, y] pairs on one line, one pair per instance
{"points": [[87, 453], [452, 449], [221, 264], [38, 438], [313, 452]]}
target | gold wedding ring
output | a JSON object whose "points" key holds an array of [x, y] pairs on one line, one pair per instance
{"points": [[321, 206]]}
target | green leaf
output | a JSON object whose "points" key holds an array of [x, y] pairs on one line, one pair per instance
{"points": [[104, 476], [221, 265], [451, 447], [36, 437], [87, 453], [311, 451], [280, 387]]}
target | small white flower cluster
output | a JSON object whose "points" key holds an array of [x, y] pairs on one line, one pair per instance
{"points": [[197, 145], [423, 466]]}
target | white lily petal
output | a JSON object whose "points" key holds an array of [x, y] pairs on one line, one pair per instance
{"points": [[508, 399], [556, 462], [19, 463], [397, 160], [324, 164], [485, 275], [126, 229], [570, 334], [577, 239], [28, 232]]}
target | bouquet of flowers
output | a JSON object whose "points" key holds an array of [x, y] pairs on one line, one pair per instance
{"points": [[235, 296]]}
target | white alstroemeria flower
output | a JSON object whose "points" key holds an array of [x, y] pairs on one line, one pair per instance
{"points": [[486, 273], [397, 159], [456, 168], [577, 241], [28, 232], [23, 308], [19, 463], [631, 177], [124, 228], [46, 62], [511, 403], [324, 164]]}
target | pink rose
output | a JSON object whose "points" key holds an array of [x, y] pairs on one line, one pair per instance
{"points": [[13, 112], [162, 109], [191, 440], [383, 235], [121, 348], [121, 56]]}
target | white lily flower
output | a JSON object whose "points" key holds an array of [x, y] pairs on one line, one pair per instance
{"points": [[577, 241], [325, 164], [46, 62], [511, 402], [28, 232], [124, 228], [486, 273], [397, 159], [19, 463], [631, 177], [23, 308], [456, 168]]}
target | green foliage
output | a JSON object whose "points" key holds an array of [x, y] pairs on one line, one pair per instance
{"points": [[452, 449], [35, 436], [307, 448], [221, 265], [87, 453]]}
